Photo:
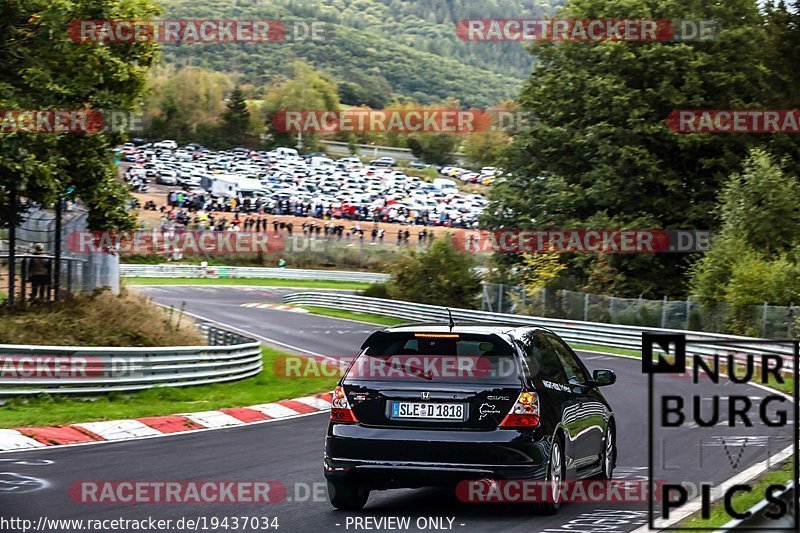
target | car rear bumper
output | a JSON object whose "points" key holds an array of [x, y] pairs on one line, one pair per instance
{"points": [[387, 458]]}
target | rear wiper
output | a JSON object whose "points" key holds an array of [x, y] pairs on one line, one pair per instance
{"points": [[414, 371], [421, 373]]}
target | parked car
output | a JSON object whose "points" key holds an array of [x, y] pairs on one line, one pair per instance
{"points": [[166, 144], [384, 162]]}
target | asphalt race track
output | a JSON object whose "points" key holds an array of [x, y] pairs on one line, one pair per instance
{"points": [[35, 483]]}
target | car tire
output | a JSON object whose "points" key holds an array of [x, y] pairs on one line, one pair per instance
{"points": [[608, 458], [347, 496], [555, 475]]}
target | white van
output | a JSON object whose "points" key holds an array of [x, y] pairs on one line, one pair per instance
{"points": [[321, 162], [286, 152], [232, 186], [445, 185], [166, 144]]}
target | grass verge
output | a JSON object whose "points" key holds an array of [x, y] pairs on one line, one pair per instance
{"points": [[605, 349], [61, 410], [253, 282], [100, 319], [350, 315], [743, 500]]}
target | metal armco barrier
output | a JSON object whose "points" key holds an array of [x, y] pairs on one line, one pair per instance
{"points": [[595, 333], [28, 370], [197, 271]]}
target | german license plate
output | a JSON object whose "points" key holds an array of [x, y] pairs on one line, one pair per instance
{"points": [[432, 411]]}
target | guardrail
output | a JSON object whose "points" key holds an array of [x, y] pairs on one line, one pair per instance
{"points": [[30, 370], [197, 271], [594, 333]]}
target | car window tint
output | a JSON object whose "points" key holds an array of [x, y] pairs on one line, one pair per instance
{"points": [[542, 359], [572, 367], [439, 356]]}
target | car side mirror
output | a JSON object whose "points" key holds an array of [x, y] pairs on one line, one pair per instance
{"points": [[602, 378]]}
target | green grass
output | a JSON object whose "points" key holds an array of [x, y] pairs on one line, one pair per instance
{"points": [[743, 500], [350, 315], [260, 282], [65, 409], [605, 349]]}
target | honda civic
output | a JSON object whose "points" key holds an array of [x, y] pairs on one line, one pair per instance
{"points": [[437, 404]]}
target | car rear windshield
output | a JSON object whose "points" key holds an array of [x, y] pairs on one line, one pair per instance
{"points": [[439, 357]]}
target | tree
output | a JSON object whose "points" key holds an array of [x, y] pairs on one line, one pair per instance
{"points": [[760, 229], [365, 90], [599, 143], [539, 270], [485, 148], [186, 104], [433, 148], [307, 90], [783, 34], [440, 275], [760, 205], [235, 119], [43, 69]]}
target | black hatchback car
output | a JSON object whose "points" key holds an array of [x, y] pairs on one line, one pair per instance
{"points": [[431, 405]]}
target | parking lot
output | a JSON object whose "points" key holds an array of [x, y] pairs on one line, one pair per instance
{"points": [[281, 182]]}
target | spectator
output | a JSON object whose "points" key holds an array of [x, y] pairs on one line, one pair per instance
{"points": [[39, 274]]}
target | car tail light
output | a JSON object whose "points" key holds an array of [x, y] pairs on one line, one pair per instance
{"points": [[524, 413], [340, 407]]}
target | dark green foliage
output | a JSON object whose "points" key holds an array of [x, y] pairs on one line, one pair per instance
{"points": [[382, 49], [43, 69], [235, 119], [598, 152], [440, 275]]}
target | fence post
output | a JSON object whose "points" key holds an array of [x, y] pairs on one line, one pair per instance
{"points": [[69, 276], [57, 250], [611, 310], [12, 242], [499, 297], [487, 302], [789, 323], [23, 280], [764, 321], [664, 313], [524, 298], [544, 301], [639, 308], [688, 312], [586, 307]]}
